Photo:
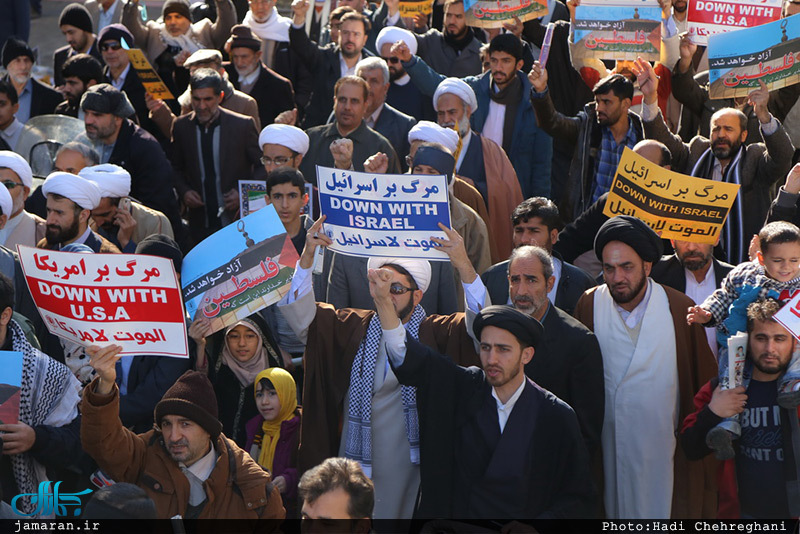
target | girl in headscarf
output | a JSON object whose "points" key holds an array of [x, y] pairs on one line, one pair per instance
{"points": [[273, 435]]}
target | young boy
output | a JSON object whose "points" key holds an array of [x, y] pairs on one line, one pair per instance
{"points": [[286, 190], [777, 269]]}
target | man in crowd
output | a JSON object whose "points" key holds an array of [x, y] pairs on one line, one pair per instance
{"points": [[337, 489], [125, 144], [78, 73], [35, 98], [210, 476], [10, 125], [11, 267], [213, 149], [21, 227], [402, 94], [70, 201], [653, 363], [329, 63], [503, 114], [272, 92], [695, 271], [456, 52], [723, 157], [76, 25], [761, 481], [536, 222], [356, 141], [117, 218], [46, 436], [104, 12]]}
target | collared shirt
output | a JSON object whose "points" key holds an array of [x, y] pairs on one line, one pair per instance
{"points": [[344, 69], [249, 80], [504, 410], [698, 292], [608, 159], [25, 98], [11, 134], [635, 316], [106, 17], [119, 82], [106, 152], [551, 295], [202, 468], [372, 119]]}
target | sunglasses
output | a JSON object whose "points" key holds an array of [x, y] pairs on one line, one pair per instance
{"points": [[110, 46], [399, 289], [391, 60]]}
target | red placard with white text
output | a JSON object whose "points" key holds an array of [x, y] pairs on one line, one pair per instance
{"points": [[709, 17], [130, 300]]}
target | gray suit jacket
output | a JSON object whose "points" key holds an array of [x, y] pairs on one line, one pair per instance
{"points": [[93, 7]]}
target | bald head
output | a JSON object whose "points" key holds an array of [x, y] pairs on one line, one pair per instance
{"points": [[655, 152]]}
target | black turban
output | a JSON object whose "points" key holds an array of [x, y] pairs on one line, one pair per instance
{"points": [[525, 328], [633, 232]]}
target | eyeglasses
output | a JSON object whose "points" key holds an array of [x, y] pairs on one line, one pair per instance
{"points": [[11, 185], [399, 289], [391, 60], [110, 46], [281, 160]]}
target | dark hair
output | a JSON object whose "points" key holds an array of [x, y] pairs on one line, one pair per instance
{"points": [[540, 207], [75, 205], [733, 111], [508, 43], [7, 89], [84, 67], [335, 473], [618, 84], [360, 17], [403, 271], [283, 175], [761, 310], [355, 80], [776, 233], [6, 293], [450, 2], [120, 501], [265, 383], [206, 78], [341, 11]]}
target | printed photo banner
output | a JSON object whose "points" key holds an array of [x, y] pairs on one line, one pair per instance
{"points": [[150, 79], [253, 197], [410, 9], [789, 316], [239, 270], [131, 300], [492, 13], [710, 17], [674, 205], [10, 386], [738, 60], [617, 30], [391, 215]]}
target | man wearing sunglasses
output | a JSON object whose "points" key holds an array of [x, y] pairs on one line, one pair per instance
{"points": [[402, 94], [21, 228]]}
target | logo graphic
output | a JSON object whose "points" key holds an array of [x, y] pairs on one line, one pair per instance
{"points": [[47, 502]]}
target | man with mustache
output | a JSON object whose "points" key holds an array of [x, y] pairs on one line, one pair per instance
{"points": [[456, 51], [653, 364], [724, 157], [35, 98]]}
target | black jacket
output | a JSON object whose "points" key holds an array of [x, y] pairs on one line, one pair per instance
{"points": [[149, 378], [272, 91], [571, 285], [669, 272], [44, 98], [394, 126], [134, 89], [61, 56]]}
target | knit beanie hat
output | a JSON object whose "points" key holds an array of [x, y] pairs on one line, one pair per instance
{"points": [[243, 38], [192, 396], [14, 48], [115, 32], [181, 7], [78, 16], [163, 246]]}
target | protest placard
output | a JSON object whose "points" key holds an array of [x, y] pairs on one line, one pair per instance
{"points": [[253, 197], [492, 13], [391, 215], [709, 17], [617, 30], [412, 8], [674, 205], [10, 385], [738, 60], [789, 316], [239, 270], [150, 79], [131, 300]]}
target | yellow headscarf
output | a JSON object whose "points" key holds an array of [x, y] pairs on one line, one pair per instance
{"points": [[286, 389]]}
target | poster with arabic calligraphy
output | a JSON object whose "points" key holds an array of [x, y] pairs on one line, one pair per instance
{"points": [[618, 30], [150, 79], [389, 215], [131, 300], [674, 205], [239, 270], [710, 17], [10, 385], [413, 7], [492, 14], [738, 60]]}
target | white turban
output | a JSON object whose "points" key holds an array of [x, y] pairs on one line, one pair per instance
{"points": [[420, 270], [6, 204], [291, 137], [459, 88], [17, 163], [392, 34], [79, 190], [430, 132], [112, 180]]}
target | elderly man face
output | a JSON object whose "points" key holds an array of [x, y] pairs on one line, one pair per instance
{"points": [[176, 24], [245, 60], [19, 69], [527, 284], [69, 161], [100, 126], [205, 103], [114, 55], [261, 9], [396, 70], [19, 193], [727, 135], [625, 272], [378, 87], [451, 111]]}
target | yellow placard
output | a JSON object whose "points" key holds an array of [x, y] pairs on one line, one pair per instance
{"points": [[152, 83], [410, 9], [676, 206]]}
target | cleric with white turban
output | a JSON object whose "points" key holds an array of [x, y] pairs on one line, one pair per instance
{"points": [[6, 204], [81, 191], [455, 86], [112, 180], [15, 162], [419, 270], [430, 132], [392, 34], [291, 137]]}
